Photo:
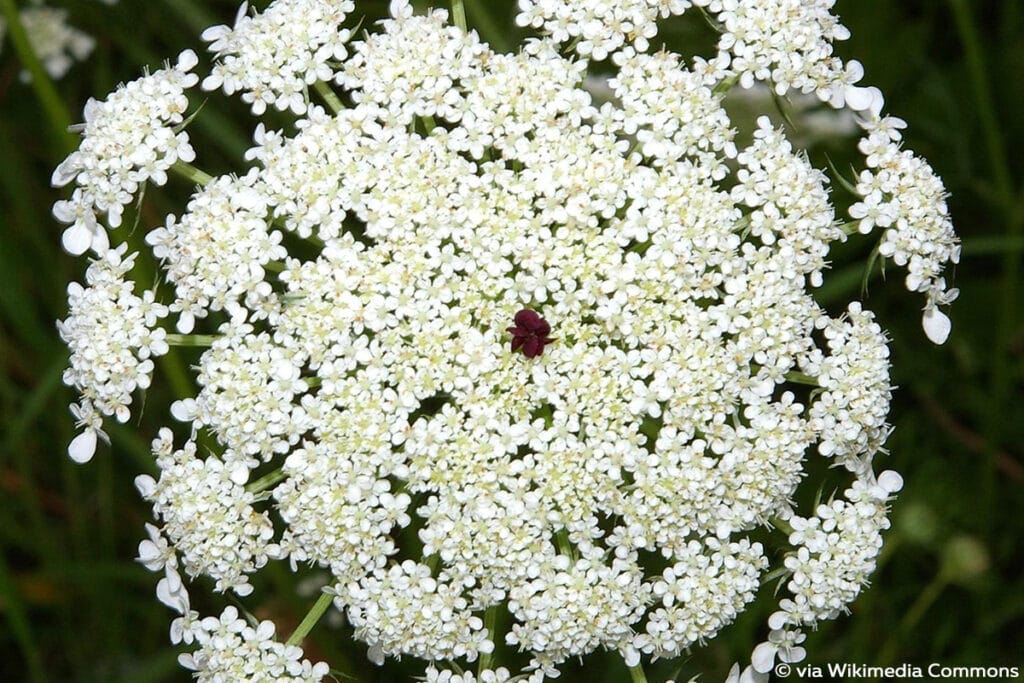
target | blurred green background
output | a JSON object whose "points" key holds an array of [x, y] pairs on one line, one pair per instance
{"points": [[949, 588]]}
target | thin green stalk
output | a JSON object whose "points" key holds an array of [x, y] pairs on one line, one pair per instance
{"points": [[490, 622], [191, 340], [311, 619], [459, 14], [56, 113], [190, 172], [266, 481], [925, 600], [725, 86], [637, 675], [802, 378], [850, 228], [330, 97], [562, 542]]}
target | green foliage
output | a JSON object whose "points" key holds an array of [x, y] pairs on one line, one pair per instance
{"points": [[947, 589]]}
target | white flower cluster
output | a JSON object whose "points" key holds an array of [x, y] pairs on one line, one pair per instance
{"points": [[571, 608], [404, 610], [410, 68], [113, 336], [787, 43], [727, 579], [598, 28], [495, 346], [488, 538], [250, 387], [499, 675], [851, 413], [208, 515], [834, 555], [901, 193], [336, 516], [836, 550], [274, 56], [231, 650], [215, 253], [671, 110], [128, 139], [803, 223]]}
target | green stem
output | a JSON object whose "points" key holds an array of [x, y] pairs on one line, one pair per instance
{"points": [[636, 673], [56, 113], [190, 172], [330, 97], [925, 600], [266, 481], [850, 228], [490, 621], [802, 378], [459, 15], [191, 340], [726, 85], [564, 545], [310, 620]]}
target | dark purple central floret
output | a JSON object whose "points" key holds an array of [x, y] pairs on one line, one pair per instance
{"points": [[530, 333]]}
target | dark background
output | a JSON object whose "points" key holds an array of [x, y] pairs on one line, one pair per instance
{"points": [[948, 589]]}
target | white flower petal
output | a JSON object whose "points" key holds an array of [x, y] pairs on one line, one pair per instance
{"points": [[937, 325], [763, 657], [83, 446], [77, 239]]}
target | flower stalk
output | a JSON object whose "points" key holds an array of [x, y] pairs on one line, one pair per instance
{"points": [[329, 96], [267, 481], [459, 14], [304, 628], [490, 623], [191, 340], [190, 172]]}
